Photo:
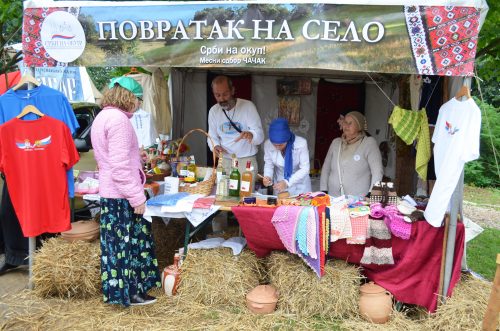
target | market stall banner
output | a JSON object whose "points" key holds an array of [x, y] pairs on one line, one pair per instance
{"points": [[432, 40]]}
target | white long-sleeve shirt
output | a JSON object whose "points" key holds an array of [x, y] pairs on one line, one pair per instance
{"points": [[144, 128], [246, 117], [274, 167]]}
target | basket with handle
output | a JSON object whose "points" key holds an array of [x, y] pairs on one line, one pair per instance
{"points": [[205, 186]]}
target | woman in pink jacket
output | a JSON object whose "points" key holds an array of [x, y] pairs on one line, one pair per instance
{"points": [[128, 264]]}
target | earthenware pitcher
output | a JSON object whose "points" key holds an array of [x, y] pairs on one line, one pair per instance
{"points": [[171, 276], [375, 303]]}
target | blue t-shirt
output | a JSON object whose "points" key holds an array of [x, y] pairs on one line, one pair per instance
{"points": [[50, 102]]}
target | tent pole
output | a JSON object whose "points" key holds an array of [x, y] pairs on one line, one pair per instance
{"points": [[31, 240], [455, 206]]}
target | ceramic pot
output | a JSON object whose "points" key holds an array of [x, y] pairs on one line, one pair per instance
{"points": [[375, 303], [170, 277], [262, 299]]}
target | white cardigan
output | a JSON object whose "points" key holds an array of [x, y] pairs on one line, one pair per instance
{"points": [[274, 166]]}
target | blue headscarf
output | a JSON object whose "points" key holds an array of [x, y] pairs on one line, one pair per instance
{"points": [[279, 133]]}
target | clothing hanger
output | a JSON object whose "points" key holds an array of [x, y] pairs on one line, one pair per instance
{"points": [[30, 109], [463, 92], [25, 79]]}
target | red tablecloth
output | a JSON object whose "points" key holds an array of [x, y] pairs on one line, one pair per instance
{"points": [[413, 279]]}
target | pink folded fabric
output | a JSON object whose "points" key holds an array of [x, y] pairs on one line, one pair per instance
{"points": [[285, 222], [393, 219], [359, 228], [204, 203]]}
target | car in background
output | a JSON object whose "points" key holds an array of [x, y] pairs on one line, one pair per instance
{"points": [[85, 113]]}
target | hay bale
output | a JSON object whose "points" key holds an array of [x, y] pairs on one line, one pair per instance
{"points": [[398, 321], [215, 276], [25, 311], [67, 269], [335, 295], [465, 309]]}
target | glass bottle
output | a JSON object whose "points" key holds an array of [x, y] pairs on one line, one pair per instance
{"points": [[191, 170], [234, 179], [220, 169], [246, 181], [183, 171], [221, 191]]}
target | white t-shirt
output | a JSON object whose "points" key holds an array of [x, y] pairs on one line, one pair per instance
{"points": [[246, 117], [274, 166], [144, 128], [456, 141]]}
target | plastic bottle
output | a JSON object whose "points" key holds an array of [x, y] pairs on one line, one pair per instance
{"points": [[246, 181], [234, 179]]}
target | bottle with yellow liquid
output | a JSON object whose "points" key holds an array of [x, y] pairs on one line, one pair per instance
{"points": [[246, 181], [191, 171]]}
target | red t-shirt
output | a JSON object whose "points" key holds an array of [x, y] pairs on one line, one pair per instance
{"points": [[34, 156]]}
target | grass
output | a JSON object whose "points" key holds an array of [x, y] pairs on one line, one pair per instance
{"points": [[483, 196], [482, 252]]}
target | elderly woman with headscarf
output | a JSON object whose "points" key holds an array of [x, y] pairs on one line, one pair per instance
{"points": [[353, 163], [286, 159]]}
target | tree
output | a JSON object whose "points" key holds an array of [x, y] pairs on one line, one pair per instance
{"points": [[11, 19], [487, 58]]}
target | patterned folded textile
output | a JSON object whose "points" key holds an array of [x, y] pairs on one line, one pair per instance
{"points": [[359, 228], [285, 220], [340, 222], [320, 214], [359, 211], [312, 230], [393, 219], [314, 264], [378, 246], [301, 233]]}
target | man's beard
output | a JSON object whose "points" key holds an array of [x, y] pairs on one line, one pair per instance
{"points": [[229, 104]]}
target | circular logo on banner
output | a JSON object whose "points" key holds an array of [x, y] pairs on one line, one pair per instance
{"points": [[356, 157], [62, 36]]}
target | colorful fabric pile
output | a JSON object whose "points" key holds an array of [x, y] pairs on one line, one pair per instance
{"points": [[393, 219], [302, 232]]}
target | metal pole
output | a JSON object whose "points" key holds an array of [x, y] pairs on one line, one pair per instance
{"points": [[455, 206], [32, 240]]}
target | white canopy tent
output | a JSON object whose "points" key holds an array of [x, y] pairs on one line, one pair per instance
{"points": [[175, 36]]}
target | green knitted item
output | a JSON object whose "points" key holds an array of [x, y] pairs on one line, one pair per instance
{"points": [[410, 125]]}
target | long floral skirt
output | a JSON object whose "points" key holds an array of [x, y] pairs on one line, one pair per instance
{"points": [[128, 261]]}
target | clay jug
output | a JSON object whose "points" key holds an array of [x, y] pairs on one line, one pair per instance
{"points": [[170, 277], [375, 303]]}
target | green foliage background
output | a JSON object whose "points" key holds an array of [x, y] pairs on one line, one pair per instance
{"points": [[484, 171]]}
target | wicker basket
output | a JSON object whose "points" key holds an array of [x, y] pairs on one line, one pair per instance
{"points": [[203, 187]]}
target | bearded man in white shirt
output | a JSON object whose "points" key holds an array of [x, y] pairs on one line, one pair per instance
{"points": [[234, 125]]}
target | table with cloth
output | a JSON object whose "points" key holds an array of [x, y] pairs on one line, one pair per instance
{"points": [[413, 279]]}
